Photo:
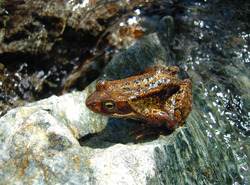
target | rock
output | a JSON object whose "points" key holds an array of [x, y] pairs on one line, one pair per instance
{"points": [[58, 140], [36, 26]]}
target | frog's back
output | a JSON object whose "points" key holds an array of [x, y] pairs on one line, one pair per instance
{"points": [[137, 87]]}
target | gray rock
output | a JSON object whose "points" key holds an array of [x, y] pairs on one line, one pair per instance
{"points": [[58, 140]]}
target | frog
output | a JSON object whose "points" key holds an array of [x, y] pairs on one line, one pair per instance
{"points": [[154, 95]]}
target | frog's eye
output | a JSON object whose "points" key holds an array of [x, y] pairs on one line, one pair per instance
{"points": [[110, 105]]}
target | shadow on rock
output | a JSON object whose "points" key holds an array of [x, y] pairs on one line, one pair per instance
{"points": [[117, 131]]}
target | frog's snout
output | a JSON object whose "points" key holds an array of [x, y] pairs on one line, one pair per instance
{"points": [[92, 104]]}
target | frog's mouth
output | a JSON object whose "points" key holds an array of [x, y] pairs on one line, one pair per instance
{"points": [[115, 115]]}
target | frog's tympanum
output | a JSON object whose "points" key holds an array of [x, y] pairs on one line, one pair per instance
{"points": [[154, 95]]}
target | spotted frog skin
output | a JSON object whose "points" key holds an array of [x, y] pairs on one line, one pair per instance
{"points": [[154, 95]]}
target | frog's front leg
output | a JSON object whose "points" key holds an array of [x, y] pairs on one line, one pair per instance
{"points": [[159, 118], [156, 123]]}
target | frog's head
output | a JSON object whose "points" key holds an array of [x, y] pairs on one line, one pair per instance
{"points": [[108, 102]]}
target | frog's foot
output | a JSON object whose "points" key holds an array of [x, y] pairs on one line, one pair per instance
{"points": [[146, 131]]}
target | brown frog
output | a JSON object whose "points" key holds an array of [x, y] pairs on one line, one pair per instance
{"points": [[154, 95]]}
